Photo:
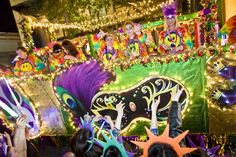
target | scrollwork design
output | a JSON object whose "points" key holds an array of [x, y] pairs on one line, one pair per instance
{"points": [[110, 99], [105, 103], [153, 92]]}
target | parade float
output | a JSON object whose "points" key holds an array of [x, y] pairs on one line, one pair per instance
{"points": [[55, 100]]}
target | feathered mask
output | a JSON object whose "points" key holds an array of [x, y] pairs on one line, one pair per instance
{"points": [[170, 10]]}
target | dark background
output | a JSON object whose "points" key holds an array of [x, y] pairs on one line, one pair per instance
{"points": [[7, 21]]}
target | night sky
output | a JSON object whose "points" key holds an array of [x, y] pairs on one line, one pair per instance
{"points": [[7, 21]]}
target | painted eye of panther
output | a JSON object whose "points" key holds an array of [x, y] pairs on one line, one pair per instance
{"points": [[67, 98], [70, 101], [172, 40]]}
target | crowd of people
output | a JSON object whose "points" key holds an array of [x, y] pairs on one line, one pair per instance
{"points": [[18, 143], [99, 136], [136, 43], [90, 142], [139, 43], [28, 63]]}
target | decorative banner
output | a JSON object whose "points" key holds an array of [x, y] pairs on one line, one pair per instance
{"points": [[138, 100], [189, 74]]}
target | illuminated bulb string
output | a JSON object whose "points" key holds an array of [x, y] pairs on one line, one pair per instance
{"points": [[88, 25]]}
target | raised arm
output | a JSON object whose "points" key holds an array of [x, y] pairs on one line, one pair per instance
{"points": [[120, 111], [117, 126], [154, 123], [11, 149], [174, 116], [19, 138]]}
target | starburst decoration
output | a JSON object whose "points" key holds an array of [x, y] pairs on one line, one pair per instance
{"points": [[88, 124], [164, 139], [115, 143]]}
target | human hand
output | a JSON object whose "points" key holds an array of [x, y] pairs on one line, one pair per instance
{"points": [[148, 44], [8, 138], [179, 48], [114, 57], [166, 47], [87, 117], [101, 34], [21, 122], [175, 94], [28, 73], [120, 108], [155, 104], [97, 118], [109, 121], [125, 52], [133, 56], [69, 57], [6, 135], [21, 73]]}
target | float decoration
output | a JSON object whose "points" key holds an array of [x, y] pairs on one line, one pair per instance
{"points": [[14, 105]]}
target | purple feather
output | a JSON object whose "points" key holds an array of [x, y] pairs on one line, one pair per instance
{"points": [[83, 81]]}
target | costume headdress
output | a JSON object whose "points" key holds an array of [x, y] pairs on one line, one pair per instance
{"points": [[88, 124], [170, 10], [165, 139], [115, 143]]}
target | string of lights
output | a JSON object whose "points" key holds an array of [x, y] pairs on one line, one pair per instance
{"points": [[107, 20]]}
